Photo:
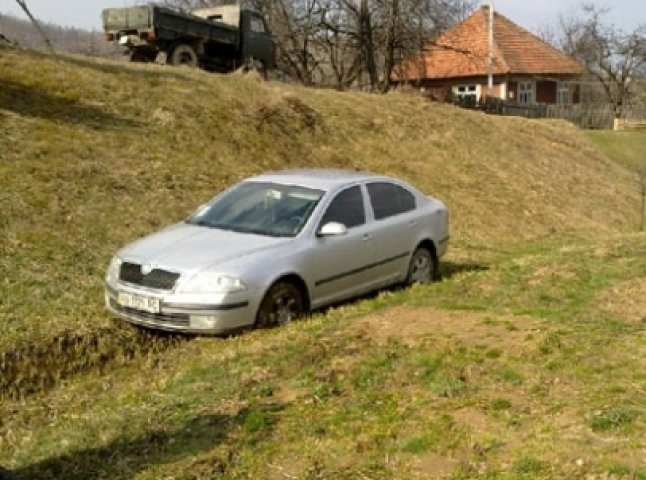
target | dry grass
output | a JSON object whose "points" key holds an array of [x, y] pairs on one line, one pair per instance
{"points": [[94, 154]]}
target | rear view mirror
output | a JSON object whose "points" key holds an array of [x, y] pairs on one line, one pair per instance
{"points": [[332, 229]]}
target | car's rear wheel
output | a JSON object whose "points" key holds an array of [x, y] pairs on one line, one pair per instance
{"points": [[421, 268], [282, 304]]}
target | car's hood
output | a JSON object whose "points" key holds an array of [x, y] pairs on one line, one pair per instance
{"points": [[186, 248]]}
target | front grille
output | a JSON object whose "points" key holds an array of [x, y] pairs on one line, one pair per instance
{"points": [[171, 319], [157, 279]]}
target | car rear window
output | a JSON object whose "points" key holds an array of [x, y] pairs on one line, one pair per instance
{"points": [[388, 199]]}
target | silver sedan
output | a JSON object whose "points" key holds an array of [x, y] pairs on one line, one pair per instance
{"points": [[276, 246]]}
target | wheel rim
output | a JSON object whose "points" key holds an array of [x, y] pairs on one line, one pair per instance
{"points": [[284, 310], [420, 267], [185, 59], [283, 304]]}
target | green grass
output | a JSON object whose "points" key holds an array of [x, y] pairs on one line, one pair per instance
{"points": [[625, 147], [612, 419], [526, 358], [341, 401]]}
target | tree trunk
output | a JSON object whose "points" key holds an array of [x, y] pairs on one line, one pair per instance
{"points": [[367, 43], [391, 43]]}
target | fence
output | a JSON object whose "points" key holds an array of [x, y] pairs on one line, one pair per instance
{"points": [[593, 116]]}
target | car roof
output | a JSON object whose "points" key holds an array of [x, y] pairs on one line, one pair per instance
{"points": [[319, 178]]}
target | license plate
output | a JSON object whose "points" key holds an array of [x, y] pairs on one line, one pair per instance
{"points": [[137, 302]]}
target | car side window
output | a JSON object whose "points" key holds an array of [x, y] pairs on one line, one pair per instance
{"points": [[257, 25], [388, 199], [346, 208]]}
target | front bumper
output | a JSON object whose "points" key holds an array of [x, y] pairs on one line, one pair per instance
{"points": [[185, 313]]}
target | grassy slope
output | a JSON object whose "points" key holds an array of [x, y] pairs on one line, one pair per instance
{"points": [[627, 147], [94, 154]]}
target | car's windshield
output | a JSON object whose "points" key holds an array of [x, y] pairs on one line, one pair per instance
{"points": [[261, 208]]}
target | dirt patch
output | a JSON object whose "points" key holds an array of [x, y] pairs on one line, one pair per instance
{"points": [[626, 300], [286, 394], [508, 333], [38, 366], [437, 466]]}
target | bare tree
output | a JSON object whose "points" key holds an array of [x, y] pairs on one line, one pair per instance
{"points": [[349, 41], [296, 26], [613, 57], [339, 44]]}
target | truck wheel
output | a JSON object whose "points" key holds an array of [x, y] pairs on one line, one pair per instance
{"points": [[254, 65], [140, 57], [183, 54]]}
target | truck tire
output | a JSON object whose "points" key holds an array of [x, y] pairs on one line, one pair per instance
{"points": [[183, 54], [252, 64], [139, 56]]}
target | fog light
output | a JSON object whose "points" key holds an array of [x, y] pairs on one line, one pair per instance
{"points": [[203, 321]]}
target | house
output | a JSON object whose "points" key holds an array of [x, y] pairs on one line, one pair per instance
{"points": [[525, 69]]}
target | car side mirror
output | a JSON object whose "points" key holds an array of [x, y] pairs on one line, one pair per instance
{"points": [[332, 229]]}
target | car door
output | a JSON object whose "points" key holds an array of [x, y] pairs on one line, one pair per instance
{"points": [[395, 227], [341, 264], [257, 41]]}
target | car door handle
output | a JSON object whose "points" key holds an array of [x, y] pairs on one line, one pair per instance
{"points": [[412, 223], [366, 236]]}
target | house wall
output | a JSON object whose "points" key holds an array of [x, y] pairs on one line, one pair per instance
{"points": [[545, 91], [507, 88], [442, 90], [576, 94], [512, 91]]}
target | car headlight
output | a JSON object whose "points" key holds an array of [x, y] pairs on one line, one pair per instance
{"points": [[112, 273], [209, 282]]}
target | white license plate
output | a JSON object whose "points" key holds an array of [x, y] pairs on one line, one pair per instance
{"points": [[137, 302]]}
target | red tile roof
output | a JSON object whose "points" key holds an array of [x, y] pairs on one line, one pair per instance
{"points": [[462, 52]]}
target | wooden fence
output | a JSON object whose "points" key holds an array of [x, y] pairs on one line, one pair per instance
{"points": [[591, 116]]}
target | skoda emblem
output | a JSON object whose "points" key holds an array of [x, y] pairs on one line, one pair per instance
{"points": [[146, 268]]}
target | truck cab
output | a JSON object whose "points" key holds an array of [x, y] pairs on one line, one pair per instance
{"points": [[256, 40]]}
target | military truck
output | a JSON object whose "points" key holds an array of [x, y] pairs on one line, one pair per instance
{"points": [[220, 38]]}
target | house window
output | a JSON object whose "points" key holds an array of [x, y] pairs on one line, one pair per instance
{"points": [[525, 92], [465, 91], [563, 94]]}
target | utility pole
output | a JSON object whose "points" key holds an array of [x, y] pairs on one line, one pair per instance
{"points": [[25, 9], [490, 52]]}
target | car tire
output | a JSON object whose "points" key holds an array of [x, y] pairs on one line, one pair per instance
{"points": [[422, 267], [282, 303], [184, 54]]}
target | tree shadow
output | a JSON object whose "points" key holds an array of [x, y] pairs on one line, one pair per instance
{"points": [[124, 458], [116, 67], [34, 102]]}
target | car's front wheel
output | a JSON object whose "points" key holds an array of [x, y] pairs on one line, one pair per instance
{"points": [[282, 304], [421, 268]]}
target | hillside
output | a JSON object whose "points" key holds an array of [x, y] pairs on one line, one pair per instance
{"points": [[94, 154], [89, 145]]}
